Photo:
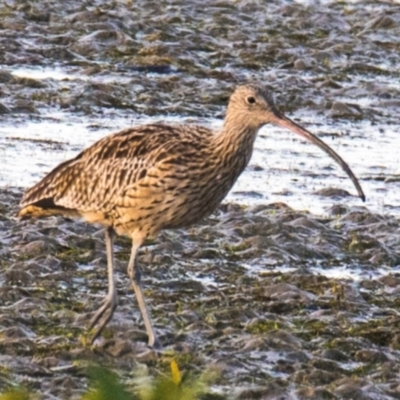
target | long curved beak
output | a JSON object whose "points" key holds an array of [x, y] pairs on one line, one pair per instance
{"points": [[284, 122]]}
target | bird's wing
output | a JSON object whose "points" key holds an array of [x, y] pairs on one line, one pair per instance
{"points": [[97, 177]]}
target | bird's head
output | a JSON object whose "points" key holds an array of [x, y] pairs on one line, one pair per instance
{"points": [[250, 107], [253, 105]]}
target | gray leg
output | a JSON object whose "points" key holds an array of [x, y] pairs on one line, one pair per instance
{"points": [[135, 275], [106, 311]]}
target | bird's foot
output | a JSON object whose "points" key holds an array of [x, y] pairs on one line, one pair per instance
{"points": [[154, 344], [103, 316]]}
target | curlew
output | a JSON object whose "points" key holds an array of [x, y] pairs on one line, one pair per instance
{"points": [[143, 179]]}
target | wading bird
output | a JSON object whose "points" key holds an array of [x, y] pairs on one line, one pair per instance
{"points": [[141, 180]]}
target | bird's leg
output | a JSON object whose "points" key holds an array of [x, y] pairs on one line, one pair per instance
{"points": [[135, 274], [106, 311]]}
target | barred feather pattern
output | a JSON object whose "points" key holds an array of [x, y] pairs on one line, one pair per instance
{"points": [[144, 179]]}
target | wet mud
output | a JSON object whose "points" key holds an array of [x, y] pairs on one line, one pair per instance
{"points": [[244, 293], [278, 302]]}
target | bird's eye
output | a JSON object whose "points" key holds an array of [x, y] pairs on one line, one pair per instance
{"points": [[251, 100]]}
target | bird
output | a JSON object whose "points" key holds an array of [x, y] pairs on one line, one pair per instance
{"points": [[144, 179]]}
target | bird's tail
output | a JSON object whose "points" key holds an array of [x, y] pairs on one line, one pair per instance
{"points": [[40, 210], [40, 200], [36, 211]]}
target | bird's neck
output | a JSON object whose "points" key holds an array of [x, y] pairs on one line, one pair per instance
{"points": [[234, 143]]}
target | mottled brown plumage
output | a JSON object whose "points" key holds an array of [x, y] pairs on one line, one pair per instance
{"points": [[141, 180]]}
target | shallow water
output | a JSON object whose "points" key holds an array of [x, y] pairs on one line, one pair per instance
{"points": [[283, 168], [354, 273], [292, 169], [62, 73]]}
